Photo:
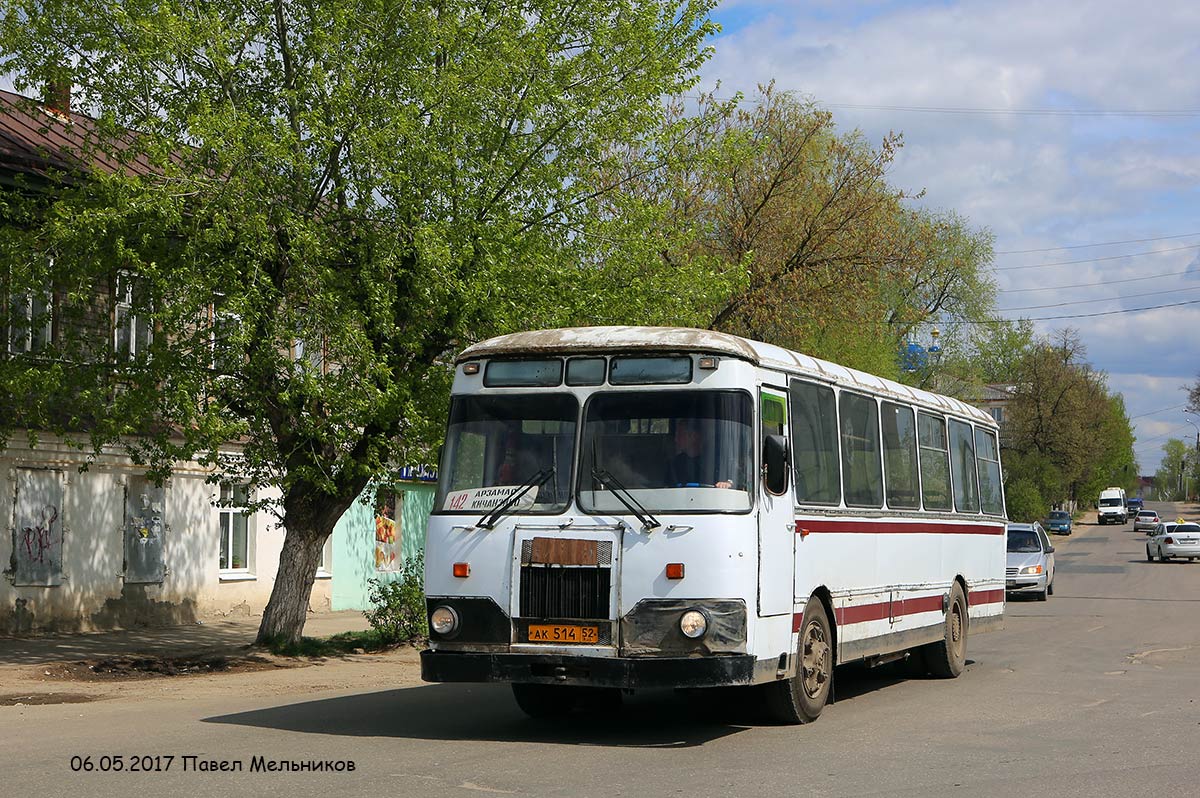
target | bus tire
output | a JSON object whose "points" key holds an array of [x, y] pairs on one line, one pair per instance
{"points": [[946, 659], [801, 698]]}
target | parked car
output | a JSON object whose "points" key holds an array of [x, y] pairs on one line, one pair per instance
{"points": [[1172, 539], [1030, 561], [1059, 522], [1134, 504], [1146, 521]]}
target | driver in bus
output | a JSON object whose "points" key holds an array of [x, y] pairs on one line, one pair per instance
{"points": [[686, 467]]}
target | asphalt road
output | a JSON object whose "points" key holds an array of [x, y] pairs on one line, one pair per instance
{"points": [[1095, 692]]}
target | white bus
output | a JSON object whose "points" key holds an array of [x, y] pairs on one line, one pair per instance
{"points": [[634, 507]]}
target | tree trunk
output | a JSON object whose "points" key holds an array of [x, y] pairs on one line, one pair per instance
{"points": [[283, 619]]}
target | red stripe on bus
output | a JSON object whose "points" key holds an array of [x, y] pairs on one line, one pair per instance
{"points": [[825, 525], [985, 597], [878, 611]]}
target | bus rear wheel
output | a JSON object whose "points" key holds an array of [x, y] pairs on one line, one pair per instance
{"points": [[801, 698], [946, 659]]}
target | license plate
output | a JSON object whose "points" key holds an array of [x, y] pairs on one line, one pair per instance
{"points": [[562, 633]]}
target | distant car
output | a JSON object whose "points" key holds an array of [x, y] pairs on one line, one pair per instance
{"points": [[1173, 540], [1134, 504], [1030, 561], [1146, 521], [1059, 522]]}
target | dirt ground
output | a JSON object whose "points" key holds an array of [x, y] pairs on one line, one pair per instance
{"points": [[187, 663]]}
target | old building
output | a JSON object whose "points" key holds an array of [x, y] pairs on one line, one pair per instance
{"points": [[90, 541]]}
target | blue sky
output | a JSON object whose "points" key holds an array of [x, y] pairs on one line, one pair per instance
{"points": [[1065, 126]]}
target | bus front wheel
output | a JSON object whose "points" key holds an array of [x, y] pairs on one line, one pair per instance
{"points": [[801, 698], [947, 658]]}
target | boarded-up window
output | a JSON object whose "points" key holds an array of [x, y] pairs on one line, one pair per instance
{"points": [[37, 557], [144, 506]]}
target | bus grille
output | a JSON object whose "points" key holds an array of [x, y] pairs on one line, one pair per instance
{"points": [[550, 591]]}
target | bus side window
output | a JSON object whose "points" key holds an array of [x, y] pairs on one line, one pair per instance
{"points": [[816, 473], [861, 467], [962, 459], [935, 461]]}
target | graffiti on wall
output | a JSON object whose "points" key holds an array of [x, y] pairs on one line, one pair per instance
{"points": [[387, 529], [37, 556], [144, 556]]}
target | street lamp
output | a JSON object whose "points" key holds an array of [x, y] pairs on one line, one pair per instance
{"points": [[1186, 488]]}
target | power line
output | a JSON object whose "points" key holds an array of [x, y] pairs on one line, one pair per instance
{"points": [[1153, 412], [1101, 299], [1076, 112], [1102, 282], [1095, 260], [1101, 244], [954, 322]]}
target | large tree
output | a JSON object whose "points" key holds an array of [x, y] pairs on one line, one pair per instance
{"points": [[1067, 436], [314, 203], [817, 251]]}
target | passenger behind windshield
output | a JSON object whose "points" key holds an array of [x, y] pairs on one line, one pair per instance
{"points": [[1023, 542], [687, 468]]}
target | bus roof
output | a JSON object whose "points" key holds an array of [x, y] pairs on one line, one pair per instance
{"points": [[577, 340]]}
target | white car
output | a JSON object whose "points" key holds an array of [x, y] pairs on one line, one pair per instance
{"points": [[1174, 540], [1147, 521], [1030, 561]]}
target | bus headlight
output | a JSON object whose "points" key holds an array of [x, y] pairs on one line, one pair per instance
{"points": [[443, 620], [693, 624]]}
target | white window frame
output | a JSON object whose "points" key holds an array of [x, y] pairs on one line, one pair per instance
{"points": [[220, 319], [127, 318], [227, 514], [25, 304]]}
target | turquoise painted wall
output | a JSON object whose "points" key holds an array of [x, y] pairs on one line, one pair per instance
{"points": [[354, 543]]}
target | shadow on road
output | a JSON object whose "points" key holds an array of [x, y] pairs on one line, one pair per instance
{"points": [[487, 712]]}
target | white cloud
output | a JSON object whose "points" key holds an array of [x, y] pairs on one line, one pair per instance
{"points": [[1036, 181]]}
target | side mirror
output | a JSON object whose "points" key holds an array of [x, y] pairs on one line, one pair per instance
{"points": [[775, 464], [1050, 550]]}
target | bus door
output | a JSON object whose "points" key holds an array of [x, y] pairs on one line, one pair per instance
{"points": [[776, 516]]}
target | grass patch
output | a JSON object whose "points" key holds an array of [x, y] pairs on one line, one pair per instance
{"points": [[333, 646]]}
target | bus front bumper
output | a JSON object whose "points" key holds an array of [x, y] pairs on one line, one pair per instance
{"points": [[623, 672]]}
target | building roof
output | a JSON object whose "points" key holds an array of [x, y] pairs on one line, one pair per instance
{"points": [[573, 340], [39, 142]]}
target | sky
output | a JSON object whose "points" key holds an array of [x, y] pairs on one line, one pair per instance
{"points": [[1061, 127]]}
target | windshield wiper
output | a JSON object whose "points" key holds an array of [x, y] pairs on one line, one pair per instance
{"points": [[617, 489], [535, 481]]}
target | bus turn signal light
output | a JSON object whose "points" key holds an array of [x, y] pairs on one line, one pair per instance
{"points": [[462, 569], [674, 570]]}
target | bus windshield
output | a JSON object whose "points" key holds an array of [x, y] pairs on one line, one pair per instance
{"points": [[673, 451], [496, 444]]}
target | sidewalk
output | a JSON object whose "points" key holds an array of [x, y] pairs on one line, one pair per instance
{"points": [[173, 640]]}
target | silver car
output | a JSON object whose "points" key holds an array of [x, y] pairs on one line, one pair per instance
{"points": [[1173, 539], [1146, 521], [1030, 565]]}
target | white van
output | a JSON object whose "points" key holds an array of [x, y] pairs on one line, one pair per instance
{"points": [[1112, 506]]}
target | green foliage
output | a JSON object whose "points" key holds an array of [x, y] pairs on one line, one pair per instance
{"points": [[378, 184], [1066, 436], [333, 646], [807, 244], [1024, 501], [397, 609]]}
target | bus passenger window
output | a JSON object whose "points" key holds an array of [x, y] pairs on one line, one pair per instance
{"points": [[861, 467], [900, 456], [962, 459], [935, 462], [816, 474]]}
